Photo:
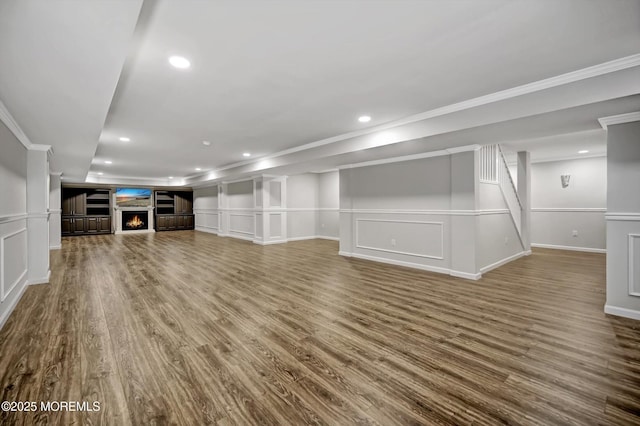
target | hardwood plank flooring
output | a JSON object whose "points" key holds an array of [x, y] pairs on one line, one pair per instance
{"points": [[189, 328]]}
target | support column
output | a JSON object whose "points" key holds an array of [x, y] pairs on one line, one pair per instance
{"points": [[38, 214], [346, 228], [223, 213], [55, 212], [270, 195], [524, 194], [623, 220]]}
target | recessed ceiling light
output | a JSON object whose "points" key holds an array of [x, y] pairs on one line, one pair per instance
{"points": [[125, 139], [206, 143], [108, 162], [100, 173], [364, 119], [198, 169], [170, 177], [583, 151], [246, 154], [179, 62]]}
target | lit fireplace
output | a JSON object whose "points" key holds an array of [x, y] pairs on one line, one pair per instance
{"points": [[135, 220]]}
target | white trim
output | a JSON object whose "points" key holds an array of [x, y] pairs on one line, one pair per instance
{"points": [[622, 312], [3, 293], [207, 229], [270, 242], [240, 237], [13, 217], [439, 153], [465, 148], [570, 210], [504, 261], [41, 280], [396, 262], [55, 247], [38, 147], [313, 237], [55, 211], [632, 290], [9, 308], [570, 248], [325, 237], [206, 211], [465, 275], [38, 215], [559, 80], [632, 217], [619, 119], [134, 231], [12, 125]]}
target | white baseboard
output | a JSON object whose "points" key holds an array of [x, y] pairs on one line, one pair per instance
{"points": [[55, 247], [622, 312], [9, 308], [207, 229], [499, 263], [313, 237], [397, 262], [572, 248], [324, 237], [41, 280], [268, 243], [465, 275]]}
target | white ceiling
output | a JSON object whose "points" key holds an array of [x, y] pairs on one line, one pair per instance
{"points": [[270, 76]]}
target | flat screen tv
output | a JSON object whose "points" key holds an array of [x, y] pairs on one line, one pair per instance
{"points": [[133, 197]]}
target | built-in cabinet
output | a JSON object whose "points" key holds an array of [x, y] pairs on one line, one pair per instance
{"points": [[173, 210], [86, 211]]}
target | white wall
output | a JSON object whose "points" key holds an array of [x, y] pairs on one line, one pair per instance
{"points": [[240, 202], [205, 207], [623, 220], [327, 218], [13, 221], [302, 196], [557, 212]]}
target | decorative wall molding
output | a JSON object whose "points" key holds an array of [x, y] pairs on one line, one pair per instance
{"points": [[570, 248], [440, 224], [13, 217], [13, 126], [9, 308], [625, 217], [605, 122], [570, 210], [633, 274], [4, 290]]}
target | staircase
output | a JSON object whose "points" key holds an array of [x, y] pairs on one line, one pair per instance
{"points": [[493, 169]]}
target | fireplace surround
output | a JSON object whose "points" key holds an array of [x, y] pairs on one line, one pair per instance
{"points": [[142, 225]]}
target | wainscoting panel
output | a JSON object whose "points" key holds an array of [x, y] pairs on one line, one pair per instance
{"points": [[405, 237], [208, 220], [13, 263], [275, 225], [259, 225], [241, 223]]}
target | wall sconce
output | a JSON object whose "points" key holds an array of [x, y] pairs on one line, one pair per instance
{"points": [[565, 179]]}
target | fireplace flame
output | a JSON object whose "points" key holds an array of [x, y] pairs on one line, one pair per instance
{"points": [[135, 222]]}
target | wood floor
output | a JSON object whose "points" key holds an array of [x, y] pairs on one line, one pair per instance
{"points": [[190, 328]]}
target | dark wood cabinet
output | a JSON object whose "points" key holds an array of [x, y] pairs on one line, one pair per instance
{"points": [[86, 211], [73, 202], [174, 210]]}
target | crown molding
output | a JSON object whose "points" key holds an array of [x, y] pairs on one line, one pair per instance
{"points": [[619, 119], [13, 126]]}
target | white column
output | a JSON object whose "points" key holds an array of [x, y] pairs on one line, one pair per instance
{"points": [[524, 193], [55, 212], [38, 214], [223, 213], [270, 195], [346, 228], [623, 220]]}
